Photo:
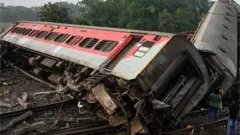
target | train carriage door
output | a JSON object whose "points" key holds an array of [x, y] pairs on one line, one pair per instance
{"points": [[126, 47]]}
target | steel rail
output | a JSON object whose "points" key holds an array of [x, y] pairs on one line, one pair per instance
{"points": [[95, 128], [197, 113], [37, 109], [184, 131]]}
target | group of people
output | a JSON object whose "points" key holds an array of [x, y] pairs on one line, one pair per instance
{"points": [[215, 107]]}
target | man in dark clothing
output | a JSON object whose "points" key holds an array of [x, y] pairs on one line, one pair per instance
{"points": [[215, 105], [233, 120]]}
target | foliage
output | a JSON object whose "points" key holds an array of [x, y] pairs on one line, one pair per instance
{"points": [[102, 13], [54, 12], [165, 21], [12, 14], [83, 21], [73, 9], [153, 15]]}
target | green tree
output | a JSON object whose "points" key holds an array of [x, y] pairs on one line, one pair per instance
{"points": [[140, 14], [200, 5], [83, 21], [153, 15], [12, 14], [53, 12], [183, 21], [101, 12], [166, 21]]}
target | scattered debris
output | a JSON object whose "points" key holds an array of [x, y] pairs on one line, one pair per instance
{"points": [[6, 92], [25, 123], [6, 99], [25, 96], [55, 122], [66, 126], [23, 103], [4, 104], [47, 114], [29, 128], [45, 93], [117, 120], [7, 83], [70, 96], [23, 88], [29, 75], [159, 105], [16, 120]]}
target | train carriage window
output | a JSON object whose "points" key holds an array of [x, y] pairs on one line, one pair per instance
{"points": [[77, 40], [106, 45], [228, 14], [15, 30], [143, 49], [73, 40], [156, 38], [27, 31], [33, 33], [61, 38], [88, 42], [24, 31], [224, 37], [227, 18], [51, 36], [41, 34], [229, 8], [21, 31], [226, 27]]}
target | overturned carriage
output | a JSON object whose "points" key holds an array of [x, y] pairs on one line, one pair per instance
{"points": [[217, 38]]}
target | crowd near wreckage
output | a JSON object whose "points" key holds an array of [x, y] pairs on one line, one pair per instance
{"points": [[139, 78]]}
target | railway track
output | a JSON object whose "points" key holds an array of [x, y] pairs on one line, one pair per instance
{"points": [[197, 113], [37, 109], [99, 127], [197, 129]]}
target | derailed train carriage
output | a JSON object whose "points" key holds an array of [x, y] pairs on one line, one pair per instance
{"points": [[140, 78]]}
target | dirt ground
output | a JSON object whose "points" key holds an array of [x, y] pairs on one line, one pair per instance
{"points": [[213, 130], [13, 84]]}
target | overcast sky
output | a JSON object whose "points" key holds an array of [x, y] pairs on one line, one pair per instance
{"points": [[30, 3]]}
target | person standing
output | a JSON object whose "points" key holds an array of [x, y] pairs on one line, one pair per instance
{"points": [[233, 120], [215, 105]]}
